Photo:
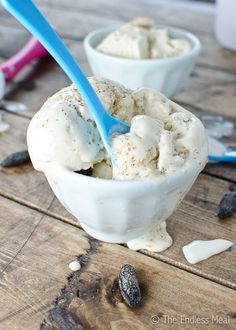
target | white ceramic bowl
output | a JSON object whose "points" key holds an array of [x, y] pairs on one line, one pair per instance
{"points": [[165, 75], [119, 211]]}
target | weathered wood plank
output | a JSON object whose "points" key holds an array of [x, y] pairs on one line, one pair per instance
{"points": [[10, 29], [72, 25], [12, 39], [105, 13], [214, 56], [210, 90], [198, 210], [99, 13], [126, 10], [34, 255], [110, 311], [196, 219], [226, 171], [34, 266]]}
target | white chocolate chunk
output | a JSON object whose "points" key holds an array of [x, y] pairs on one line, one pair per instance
{"points": [[198, 250], [75, 265]]}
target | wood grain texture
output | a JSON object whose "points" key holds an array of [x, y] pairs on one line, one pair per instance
{"points": [[196, 219], [96, 304], [220, 58], [103, 12], [34, 256], [12, 39], [227, 171], [210, 90], [109, 13]]}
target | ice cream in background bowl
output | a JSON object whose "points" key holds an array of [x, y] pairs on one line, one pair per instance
{"points": [[143, 54], [156, 162]]}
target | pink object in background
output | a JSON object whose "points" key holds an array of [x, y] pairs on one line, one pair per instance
{"points": [[225, 27], [31, 51]]}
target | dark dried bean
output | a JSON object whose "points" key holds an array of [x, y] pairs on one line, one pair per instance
{"points": [[129, 286], [15, 159], [227, 205], [232, 187]]}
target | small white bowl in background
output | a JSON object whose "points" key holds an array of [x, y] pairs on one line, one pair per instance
{"points": [[165, 75]]}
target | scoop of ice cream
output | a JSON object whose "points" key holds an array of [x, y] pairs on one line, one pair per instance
{"points": [[162, 46], [156, 146], [103, 170], [130, 41], [139, 39], [163, 136], [64, 131], [137, 152]]}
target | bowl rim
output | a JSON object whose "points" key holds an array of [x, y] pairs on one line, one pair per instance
{"points": [[191, 165], [196, 46]]}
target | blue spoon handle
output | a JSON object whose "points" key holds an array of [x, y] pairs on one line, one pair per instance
{"points": [[28, 14], [228, 158]]}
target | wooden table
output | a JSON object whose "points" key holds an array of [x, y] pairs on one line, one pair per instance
{"points": [[39, 238]]}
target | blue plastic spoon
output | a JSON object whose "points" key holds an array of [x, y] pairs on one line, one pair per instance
{"points": [[219, 152], [28, 14]]}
